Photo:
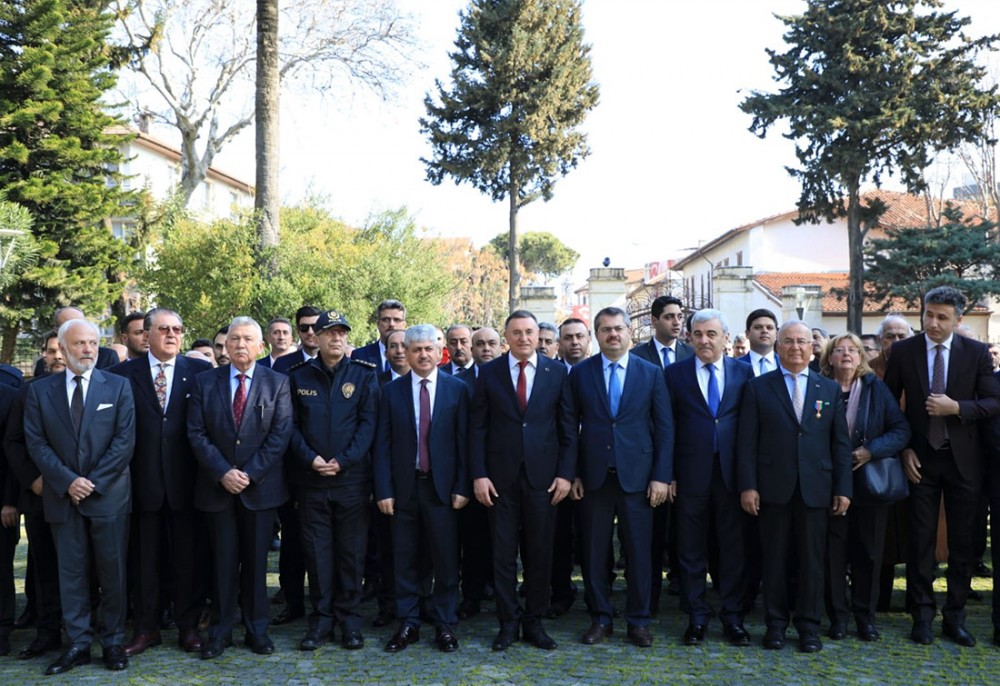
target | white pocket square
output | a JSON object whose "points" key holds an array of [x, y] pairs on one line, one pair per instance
{"points": [[104, 406]]}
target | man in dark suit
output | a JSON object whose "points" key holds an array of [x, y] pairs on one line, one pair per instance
{"points": [[239, 425], [42, 574], [793, 470], [305, 322], [625, 470], [336, 412], [10, 376], [458, 338], [421, 481], [574, 341], [949, 386], [80, 432], [762, 329], [163, 479], [279, 341], [10, 525], [706, 392], [390, 315], [522, 454]]}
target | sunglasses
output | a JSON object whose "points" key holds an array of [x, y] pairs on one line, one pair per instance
{"points": [[306, 328]]}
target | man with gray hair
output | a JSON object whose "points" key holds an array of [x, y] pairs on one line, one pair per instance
{"points": [[239, 425], [893, 328], [79, 429], [458, 338], [421, 480], [548, 339]]}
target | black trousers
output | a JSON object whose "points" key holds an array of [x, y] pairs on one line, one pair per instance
{"points": [[335, 538], [939, 474], [563, 590], [241, 540], [380, 533], [857, 540], [45, 572], [9, 536], [477, 551], [291, 558], [521, 505]]}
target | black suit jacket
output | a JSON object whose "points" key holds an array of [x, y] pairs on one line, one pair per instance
{"points": [[543, 437], [775, 453], [255, 447], [9, 490], [285, 363], [163, 465], [970, 382], [101, 452], [647, 351]]}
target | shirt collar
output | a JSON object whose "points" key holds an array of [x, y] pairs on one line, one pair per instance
{"points": [[153, 362], [532, 361], [622, 361], [86, 375], [946, 343], [431, 378], [659, 346], [804, 372], [718, 364], [233, 371]]}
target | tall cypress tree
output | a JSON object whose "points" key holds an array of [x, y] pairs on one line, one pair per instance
{"points": [[56, 158], [521, 87]]}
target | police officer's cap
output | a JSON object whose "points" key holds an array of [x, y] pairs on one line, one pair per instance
{"points": [[329, 319]]}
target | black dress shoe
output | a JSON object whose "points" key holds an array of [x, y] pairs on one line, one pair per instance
{"points": [[312, 641], [167, 620], [838, 631], [980, 569], [975, 595], [468, 610], [25, 619], [809, 642], [73, 657], [506, 636], [353, 640], [115, 658], [288, 615], [446, 640], [921, 633], [536, 636], [596, 633], [39, 646], [868, 633], [213, 649], [639, 636], [694, 635], [958, 634], [4, 645], [996, 637], [405, 635], [774, 639], [558, 609], [736, 634], [261, 645], [383, 618]]}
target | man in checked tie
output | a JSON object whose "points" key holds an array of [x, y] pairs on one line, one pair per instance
{"points": [[163, 479], [626, 470], [949, 387], [239, 425], [793, 471]]}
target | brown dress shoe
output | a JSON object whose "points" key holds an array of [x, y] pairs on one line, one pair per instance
{"points": [[140, 642], [190, 641], [640, 636], [596, 633]]}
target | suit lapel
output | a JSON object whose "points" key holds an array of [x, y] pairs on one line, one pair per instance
{"points": [[777, 381], [225, 400], [654, 353], [597, 376], [812, 395], [253, 397], [59, 401], [920, 357], [507, 382], [179, 386], [954, 361], [407, 394], [143, 375]]}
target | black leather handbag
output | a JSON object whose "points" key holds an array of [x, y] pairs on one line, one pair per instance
{"points": [[882, 481]]}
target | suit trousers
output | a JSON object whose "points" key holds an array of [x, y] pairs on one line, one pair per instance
{"points": [[517, 506], [291, 558], [381, 533], [9, 536], [477, 551], [995, 557], [939, 474], [241, 540], [334, 538], [78, 540], [45, 572], [858, 541], [598, 510], [563, 590], [786, 530], [695, 515], [425, 539], [182, 532]]}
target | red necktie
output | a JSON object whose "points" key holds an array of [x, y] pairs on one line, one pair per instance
{"points": [[522, 385], [239, 400]]}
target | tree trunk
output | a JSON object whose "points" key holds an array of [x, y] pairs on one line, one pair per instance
{"points": [[856, 277], [267, 201], [513, 255]]}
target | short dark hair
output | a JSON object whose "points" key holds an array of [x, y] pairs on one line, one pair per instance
{"points": [[573, 320], [548, 326], [519, 314], [660, 304], [390, 305], [947, 295], [611, 312], [49, 335], [123, 322], [306, 311], [278, 320], [202, 343], [761, 312], [147, 321], [224, 330]]}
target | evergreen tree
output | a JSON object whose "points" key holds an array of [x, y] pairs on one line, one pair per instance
{"points": [[870, 88], [57, 159], [509, 124]]}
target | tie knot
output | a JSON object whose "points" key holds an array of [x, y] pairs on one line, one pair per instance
{"points": [[241, 377], [78, 379], [939, 347], [423, 382], [709, 366], [522, 364]]}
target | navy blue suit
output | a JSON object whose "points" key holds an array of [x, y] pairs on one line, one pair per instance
{"points": [[163, 477], [797, 469], [284, 364], [618, 456], [369, 353], [705, 467], [9, 536], [522, 453], [98, 526], [424, 524], [240, 526]]}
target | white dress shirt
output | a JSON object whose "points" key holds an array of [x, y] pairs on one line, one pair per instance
{"points": [[71, 385], [932, 353], [432, 392], [529, 372], [702, 375]]}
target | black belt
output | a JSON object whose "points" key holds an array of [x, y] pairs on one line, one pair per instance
{"points": [[423, 475]]}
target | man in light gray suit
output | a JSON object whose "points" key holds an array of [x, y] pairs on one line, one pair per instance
{"points": [[80, 431]]}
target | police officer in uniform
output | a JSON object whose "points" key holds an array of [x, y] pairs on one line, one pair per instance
{"points": [[335, 399]]}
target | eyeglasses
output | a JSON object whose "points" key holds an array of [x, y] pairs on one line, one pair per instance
{"points": [[306, 328], [165, 329], [844, 351]]}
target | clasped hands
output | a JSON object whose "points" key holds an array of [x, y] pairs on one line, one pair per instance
{"points": [[80, 488]]}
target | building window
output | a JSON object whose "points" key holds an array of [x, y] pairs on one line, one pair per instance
{"points": [[739, 258]]}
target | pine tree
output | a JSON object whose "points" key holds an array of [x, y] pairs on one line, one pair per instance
{"points": [[56, 157], [509, 124]]}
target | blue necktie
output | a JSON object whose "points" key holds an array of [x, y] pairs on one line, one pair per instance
{"points": [[666, 356], [387, 367], [713, 390], [614, 389]]}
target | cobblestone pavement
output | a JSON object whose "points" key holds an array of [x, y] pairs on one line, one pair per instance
{"points": [[893, 660]]}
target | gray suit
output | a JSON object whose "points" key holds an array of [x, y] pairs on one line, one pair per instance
{"points": [[98, 526]]}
